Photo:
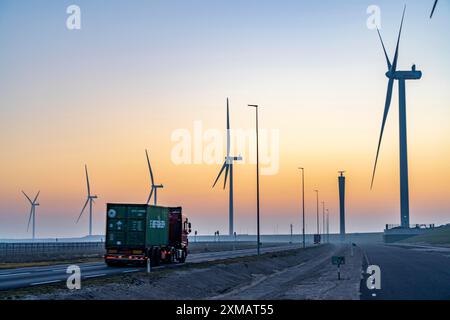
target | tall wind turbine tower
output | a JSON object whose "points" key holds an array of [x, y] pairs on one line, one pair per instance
{"points": [[228, 167], [401, 76], [341, 184], [153, 187], [90, 199], [32, 216]]}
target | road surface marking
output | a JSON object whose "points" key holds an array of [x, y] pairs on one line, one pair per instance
{"points": [[44, 282], [95, 275], [13, 274], [82, 268], [128, 271]]}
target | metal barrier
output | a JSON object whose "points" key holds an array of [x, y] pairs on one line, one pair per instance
{"points": [[411, 226], [13, 249]]}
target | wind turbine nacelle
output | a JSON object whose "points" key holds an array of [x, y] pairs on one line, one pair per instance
{"points": [[231, 159], [405, 75]]}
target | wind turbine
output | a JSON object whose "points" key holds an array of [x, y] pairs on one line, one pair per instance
{"points": [[401, 76], [34, 204], [154, 187], [434, 7], [90, 200], [228, 167]]}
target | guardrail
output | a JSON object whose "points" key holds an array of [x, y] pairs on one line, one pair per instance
{"points": [[411, 226], [14, 249]]}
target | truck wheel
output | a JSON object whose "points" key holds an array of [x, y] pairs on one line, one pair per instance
{"points": [[156, 257], [111, 264]]}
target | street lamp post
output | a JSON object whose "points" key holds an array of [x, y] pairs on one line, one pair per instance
{"points": [[323, 219], [257, 178], [303, 206], [317, 210], [328, 226]]}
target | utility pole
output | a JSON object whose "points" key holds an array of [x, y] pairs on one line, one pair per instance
{"points": [[317, 209], [291, 232], [303, 206], [257, 179], [328, 226]]}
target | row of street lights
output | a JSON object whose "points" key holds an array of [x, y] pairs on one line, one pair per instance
{"points": [[303, 196]]}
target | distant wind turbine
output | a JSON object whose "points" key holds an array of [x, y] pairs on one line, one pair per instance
{"points": [[392, 74], [228, 167], [434, 7], [32, 216], [153, 187], [90, 200]]}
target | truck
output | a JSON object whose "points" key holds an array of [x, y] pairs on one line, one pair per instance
{"points": [[139, 233]]}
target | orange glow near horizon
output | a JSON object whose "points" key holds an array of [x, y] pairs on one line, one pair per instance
{"points": [[105, 94]]}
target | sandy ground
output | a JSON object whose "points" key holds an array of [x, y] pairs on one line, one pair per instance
{"points": [[297, 274]]}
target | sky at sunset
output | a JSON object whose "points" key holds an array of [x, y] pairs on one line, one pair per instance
{"points": [[138, 72]]}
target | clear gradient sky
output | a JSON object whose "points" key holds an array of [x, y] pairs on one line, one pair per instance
{"points": [[139, 70]]}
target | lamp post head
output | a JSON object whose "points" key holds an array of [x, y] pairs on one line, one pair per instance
{"points": [[253, 105]]}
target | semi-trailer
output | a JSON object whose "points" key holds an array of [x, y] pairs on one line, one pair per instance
{"points": [[136, 233]]}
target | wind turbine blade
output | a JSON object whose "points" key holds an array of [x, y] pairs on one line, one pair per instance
{"points": [[221, 170], [434, 7], [27, 197], [149, 167], [226, 176], [385, 114], [82, 210], [150, 196], [384, 49], [394, 63], [87, 181], [35, 198], [228, 129], [29, 219]]}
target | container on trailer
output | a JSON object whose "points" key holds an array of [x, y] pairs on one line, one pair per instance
{"points": [[136, 226], [141, 232]]}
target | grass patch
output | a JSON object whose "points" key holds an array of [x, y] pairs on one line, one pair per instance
{"points": [[439, 236]]}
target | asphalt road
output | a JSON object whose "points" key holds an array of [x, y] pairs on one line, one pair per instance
{"points": [[36, 276], [408, 272]]}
